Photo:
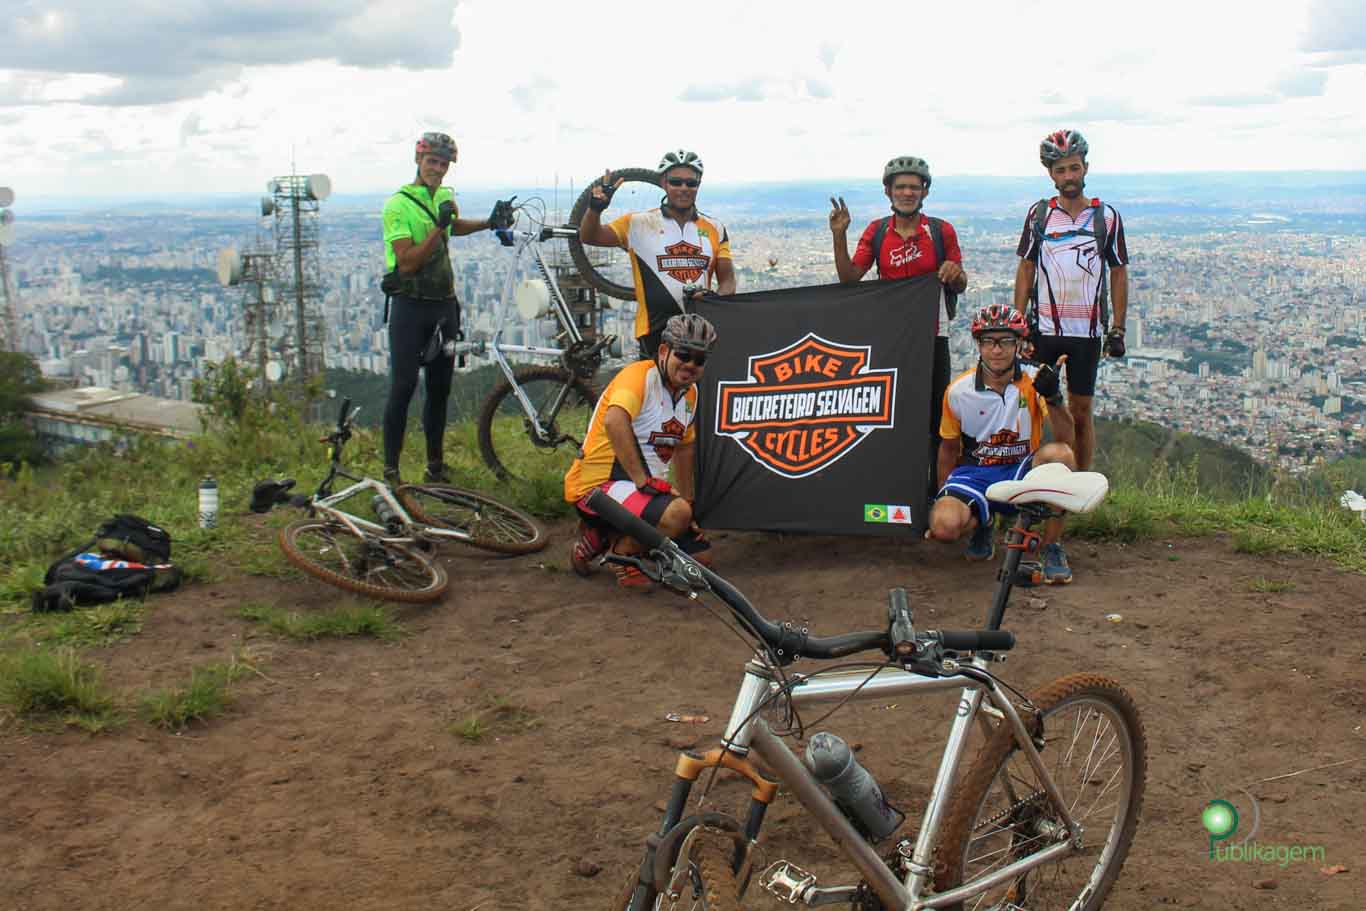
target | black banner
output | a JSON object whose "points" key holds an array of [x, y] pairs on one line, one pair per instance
{"points": [[815, 408]]}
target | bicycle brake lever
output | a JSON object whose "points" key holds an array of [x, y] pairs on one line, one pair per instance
{"points": [[650, 568]]}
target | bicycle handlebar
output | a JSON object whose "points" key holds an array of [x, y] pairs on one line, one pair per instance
{"points": [[788, 641]]}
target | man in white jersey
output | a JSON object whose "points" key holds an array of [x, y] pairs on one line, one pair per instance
{"points": [[1073, 268], [675, 250], [642, 425], [992, 430]]}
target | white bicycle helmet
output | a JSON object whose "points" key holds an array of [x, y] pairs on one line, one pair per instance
{"points": [[680, 158]]}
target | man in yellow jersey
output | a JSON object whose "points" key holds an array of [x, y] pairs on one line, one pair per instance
{"points": [[675, 250], [643, 424], [418, 220]]}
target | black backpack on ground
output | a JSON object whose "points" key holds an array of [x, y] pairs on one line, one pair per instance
{"points": [[129, 557]]}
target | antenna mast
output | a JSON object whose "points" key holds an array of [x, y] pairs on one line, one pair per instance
{"points": [[9, 331]]}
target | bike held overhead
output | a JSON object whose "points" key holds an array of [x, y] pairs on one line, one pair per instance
{"points": [[1073, 265], [906, 244], [643, 424], [424, 314], [676, 251], [992, 431]]}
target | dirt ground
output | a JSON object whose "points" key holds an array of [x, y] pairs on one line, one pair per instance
{"points": [[336, 780]]}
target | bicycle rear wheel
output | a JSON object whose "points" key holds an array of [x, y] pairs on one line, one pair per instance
{"points": [[509, 443], [1096, 753], [610, 274], [362, 563], [491, 525]]}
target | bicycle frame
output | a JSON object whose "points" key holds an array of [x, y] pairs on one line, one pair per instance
{"points": [[325, 502], [746, 732]]}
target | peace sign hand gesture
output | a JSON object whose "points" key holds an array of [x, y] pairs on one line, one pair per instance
{"points": [[839, 216], [603, 190]]}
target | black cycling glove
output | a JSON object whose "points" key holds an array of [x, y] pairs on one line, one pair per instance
{"points": [[502, 215], [599, 205], [1114, 343], [1047, 384], [445, 214]]}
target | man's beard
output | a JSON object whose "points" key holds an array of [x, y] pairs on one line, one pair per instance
{"points": [[1067, 190]]}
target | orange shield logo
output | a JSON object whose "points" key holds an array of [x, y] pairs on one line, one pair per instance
{"points": [[683, 261], [806, 406]]}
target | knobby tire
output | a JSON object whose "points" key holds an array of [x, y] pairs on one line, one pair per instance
{"points": [[1089, 720], [712, 884], [362, 563], [491, 525], [579, 254], [503, 451]]}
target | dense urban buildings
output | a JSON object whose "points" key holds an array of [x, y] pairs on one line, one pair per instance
{"points": [[1242, 327]]}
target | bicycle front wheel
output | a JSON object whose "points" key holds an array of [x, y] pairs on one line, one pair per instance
{"points": [[490, 525], [1096, 753], [610, 272], [362, 563], [508, 439], [700, 880]]}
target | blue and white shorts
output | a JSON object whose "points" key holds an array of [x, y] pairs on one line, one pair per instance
{"points": [[969, 483]]}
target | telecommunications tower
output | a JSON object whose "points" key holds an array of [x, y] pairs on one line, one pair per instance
{"points": [[256, 270], [9, 332], [294, 202]]}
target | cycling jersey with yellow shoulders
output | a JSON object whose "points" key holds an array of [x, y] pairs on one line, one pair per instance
{"points": [[666, 256], [659, 422], [996, 428]]}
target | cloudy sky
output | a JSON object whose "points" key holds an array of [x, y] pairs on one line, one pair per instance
{"points": [[157, 98]]}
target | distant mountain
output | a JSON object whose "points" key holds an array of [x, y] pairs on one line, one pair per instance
{"points": [[1129, 450]]}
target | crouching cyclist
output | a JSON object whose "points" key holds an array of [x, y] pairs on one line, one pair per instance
{"points": [[992, 430], [643, 424]]}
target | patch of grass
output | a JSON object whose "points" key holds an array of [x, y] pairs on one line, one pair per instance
{"points": [[471, 728], [497, 715], [55, 683], [97, 625], [207, 695], [340, 622], [1267, 586], [1255, 539]]}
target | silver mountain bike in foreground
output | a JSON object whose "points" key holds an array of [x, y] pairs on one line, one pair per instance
{"points": [[1042, 818]]}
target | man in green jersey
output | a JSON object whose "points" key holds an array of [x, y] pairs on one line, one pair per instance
{"points": [[418, 221]]}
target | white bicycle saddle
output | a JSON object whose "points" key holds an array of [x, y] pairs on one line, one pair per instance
{"points": [[1054, 484]]}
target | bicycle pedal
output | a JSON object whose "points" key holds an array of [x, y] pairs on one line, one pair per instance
{"points": [[788, 882]]}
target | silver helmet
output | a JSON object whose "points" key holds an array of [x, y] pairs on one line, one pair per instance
{"points": [[680, 158]]}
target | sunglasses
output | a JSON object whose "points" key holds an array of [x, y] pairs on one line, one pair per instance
{"points": [[691, 183], [998, 343], [688, 356]]}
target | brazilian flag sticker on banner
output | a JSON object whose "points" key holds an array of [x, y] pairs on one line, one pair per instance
{"points": [[887, 513]]}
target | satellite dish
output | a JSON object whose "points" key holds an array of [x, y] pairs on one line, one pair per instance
{"points": [[6, 197], [532, 299], [229, 267], [267, 206], [319, 186], [274, 371], [772, 260]]}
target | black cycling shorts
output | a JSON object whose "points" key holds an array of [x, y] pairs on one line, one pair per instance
{"points": [[1083, 360]]}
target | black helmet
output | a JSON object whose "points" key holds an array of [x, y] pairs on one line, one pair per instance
{"points": [[688, 330], [1057, 146]]}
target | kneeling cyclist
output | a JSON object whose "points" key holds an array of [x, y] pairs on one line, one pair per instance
{"points": [[991, 431], [643, 424]]}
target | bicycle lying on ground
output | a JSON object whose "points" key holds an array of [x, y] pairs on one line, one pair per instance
{"points": [[1043, 817], [390, 561]]}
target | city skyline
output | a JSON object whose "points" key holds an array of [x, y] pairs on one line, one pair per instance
{"points": [[532, 92]]}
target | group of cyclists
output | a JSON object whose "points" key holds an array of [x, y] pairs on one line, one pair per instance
{"points": [[986, 425]]}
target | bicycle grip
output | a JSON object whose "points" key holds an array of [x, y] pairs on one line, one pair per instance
{"points": [[616, 515], [977, 640], [901, 632], [341, 415]]}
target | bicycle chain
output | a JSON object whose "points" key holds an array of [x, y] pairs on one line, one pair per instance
{"points": [[1013, 809]]}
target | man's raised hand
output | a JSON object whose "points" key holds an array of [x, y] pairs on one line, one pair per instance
{"points": [[839, 215], [603, 190]]}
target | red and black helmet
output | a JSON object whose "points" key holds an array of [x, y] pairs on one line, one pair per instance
{"points": [[1057, 146], [1000, 318], [437, 144]]}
